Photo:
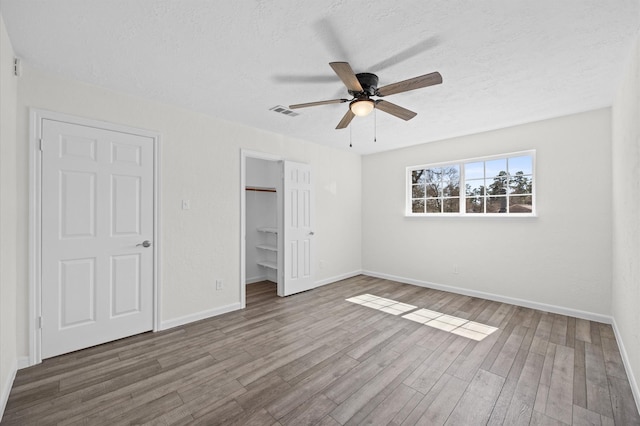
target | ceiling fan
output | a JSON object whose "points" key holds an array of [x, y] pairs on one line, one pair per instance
{"points": [[363, 86]]}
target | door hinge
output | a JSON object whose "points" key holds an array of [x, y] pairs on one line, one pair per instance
{"points": [[39, 323], [40, 144]]}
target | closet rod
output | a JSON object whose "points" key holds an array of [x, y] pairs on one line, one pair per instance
{"points": [[260, 189]]}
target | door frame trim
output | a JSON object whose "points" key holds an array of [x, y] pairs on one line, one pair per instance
{"points": [[244, 154], [36, 117]]}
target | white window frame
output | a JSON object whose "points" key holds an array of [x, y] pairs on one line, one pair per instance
{"points": [[463, 197]]}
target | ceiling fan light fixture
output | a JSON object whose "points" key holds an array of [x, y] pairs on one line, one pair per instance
{"points": [[361, 107]]}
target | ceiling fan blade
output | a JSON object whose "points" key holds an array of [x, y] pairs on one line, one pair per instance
{"points": [[411, 84], [304, 79], [396, 110], [310, 104], [345, 120], [346, 74], [330, 33], [405, 54]]}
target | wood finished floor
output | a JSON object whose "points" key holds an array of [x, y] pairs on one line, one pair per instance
{"points": [[314, 358]]}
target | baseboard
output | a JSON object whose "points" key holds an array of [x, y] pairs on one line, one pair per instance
{"points": [[6, 388], [627, 365], [176, 322], [498, 298], [340, 277], [253, 280]]}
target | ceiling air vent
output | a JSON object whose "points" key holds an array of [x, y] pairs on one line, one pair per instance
{"points": [[283, 110]]}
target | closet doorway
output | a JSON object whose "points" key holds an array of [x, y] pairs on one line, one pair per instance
{"points": [[277, 241], [263, 219]]}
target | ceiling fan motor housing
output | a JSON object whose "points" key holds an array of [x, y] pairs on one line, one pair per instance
{"points": [[369, 83]]}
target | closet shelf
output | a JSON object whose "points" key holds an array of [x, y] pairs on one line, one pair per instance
{"points": [[268, 229], [267, 247], [267, 264], [260, 189]]}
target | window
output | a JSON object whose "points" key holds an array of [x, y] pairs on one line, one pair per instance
{"points": [[436, 189], [492, 185]]}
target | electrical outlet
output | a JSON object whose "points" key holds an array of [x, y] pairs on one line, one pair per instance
{"points": [[323, 264], [456, 269], [219, 285]]}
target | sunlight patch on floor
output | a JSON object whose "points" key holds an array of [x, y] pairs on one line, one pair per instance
{"points": [[460, 326], [380, 303]]}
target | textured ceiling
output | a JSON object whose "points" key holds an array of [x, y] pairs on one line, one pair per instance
{"points": [[503, 62]]}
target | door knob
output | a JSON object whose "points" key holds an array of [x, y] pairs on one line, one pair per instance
{"points": [[145, 244], [311, 233]]}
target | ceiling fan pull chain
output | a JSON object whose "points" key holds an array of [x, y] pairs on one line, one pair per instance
{"points": [[375, 126], [350, 145]]}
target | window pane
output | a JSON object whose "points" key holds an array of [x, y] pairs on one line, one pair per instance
{"points": [[432, 176], [520, 204], [417, 206], [433, 190], [494, 167], [497, 205], [475, 187], [451, 173], [417, 191], [451, 189], [474, 170], [497, 185], [451, 181], [522, 164], [520, 184], [475, 205], [433, 206], [451, 205], [418, 176]]}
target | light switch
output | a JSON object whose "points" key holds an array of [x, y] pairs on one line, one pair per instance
{"points": [[186, 204]]}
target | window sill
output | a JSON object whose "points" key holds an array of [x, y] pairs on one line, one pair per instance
{"points": [[471, 215]]}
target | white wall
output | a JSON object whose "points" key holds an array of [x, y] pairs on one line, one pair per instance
{"points": [[263, 173], [8, 220], [626, 217], [562, 257], [201, 163]]}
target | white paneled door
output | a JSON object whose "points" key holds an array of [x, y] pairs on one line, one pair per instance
{"points": [[97, 228], [299, 247]]}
